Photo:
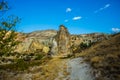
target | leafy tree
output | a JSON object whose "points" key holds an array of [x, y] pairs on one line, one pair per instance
{"points": [[8, 34]]}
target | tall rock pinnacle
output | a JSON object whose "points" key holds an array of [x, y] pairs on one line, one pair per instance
{"points": [[62, 42]]}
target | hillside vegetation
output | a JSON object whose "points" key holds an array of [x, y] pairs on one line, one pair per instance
{"points": [[39, 48], [104, 57]]}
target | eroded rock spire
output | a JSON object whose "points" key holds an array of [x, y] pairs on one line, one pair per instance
{"points": [[61, 42]]}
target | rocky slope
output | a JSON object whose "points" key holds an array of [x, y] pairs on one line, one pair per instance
{"points": [[29, 64], [45, 34], [60, 41], [104, 57], [38, 40]]}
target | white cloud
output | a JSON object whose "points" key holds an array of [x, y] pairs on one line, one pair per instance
{"points": [[66, 20], [116, 30], [106, 6], [68, 10], [77, 18]]}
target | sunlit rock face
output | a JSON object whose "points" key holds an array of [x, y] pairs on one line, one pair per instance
{"points": [[61, 42], [54, 42], [35, 41], [29, 46]]}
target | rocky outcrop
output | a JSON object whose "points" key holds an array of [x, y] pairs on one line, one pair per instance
{"points": [[35, 41], [61, 42], [57, 42], [29, 46], [35, 45]]}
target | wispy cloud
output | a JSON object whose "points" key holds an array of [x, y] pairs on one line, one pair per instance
{"points": [[102, 8], [77, 18], [116, 30], [66, 20], [68, 10]]}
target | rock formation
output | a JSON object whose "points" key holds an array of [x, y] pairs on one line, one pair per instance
{"points": [[37, 40], [55, 42], [61, 42]]}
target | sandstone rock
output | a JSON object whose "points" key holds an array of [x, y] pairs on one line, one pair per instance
{"points": [[45, 49], [61, 42], [35, 41], [30, 45], [54, 49], [35, 45]]}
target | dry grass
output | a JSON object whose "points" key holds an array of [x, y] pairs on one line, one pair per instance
{"points": [[47, 70], [105, 58], [96, 59], [51, 69]]}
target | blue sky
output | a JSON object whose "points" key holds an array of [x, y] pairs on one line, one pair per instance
{"points": [[79, 16]]}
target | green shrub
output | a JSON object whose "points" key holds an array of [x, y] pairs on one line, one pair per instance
{"points": [[39, 56], [21, 65]]}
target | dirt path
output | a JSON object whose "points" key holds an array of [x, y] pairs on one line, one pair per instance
{"points": [[75, 69], [79, 70]]}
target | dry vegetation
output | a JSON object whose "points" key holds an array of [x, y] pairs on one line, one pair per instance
{"points": [[104, 57], [45, 69]]}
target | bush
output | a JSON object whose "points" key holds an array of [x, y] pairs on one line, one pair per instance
{"points": [[85, 45], [21, 65], [39, 56]]}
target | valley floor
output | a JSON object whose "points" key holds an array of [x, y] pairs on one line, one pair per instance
{"points": [[55, 69]]}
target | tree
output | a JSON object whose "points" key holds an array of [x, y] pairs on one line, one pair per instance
{"points": [[8, 34]]}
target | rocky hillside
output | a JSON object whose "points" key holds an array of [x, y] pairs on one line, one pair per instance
{"points": [[37, 40], [45, 34], [104, 57], [51, 40], [84, 41], [31, 62]]}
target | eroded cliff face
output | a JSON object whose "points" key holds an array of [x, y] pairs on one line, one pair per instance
{"points": [[29, 46], [61, 42], [56, 42], [35, 41]]}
